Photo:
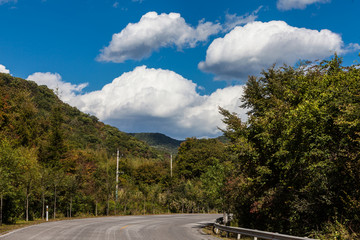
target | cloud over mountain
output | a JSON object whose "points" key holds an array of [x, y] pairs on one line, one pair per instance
{"points": [[162, 101], [153, 100], [65, 90], [3, 69]]}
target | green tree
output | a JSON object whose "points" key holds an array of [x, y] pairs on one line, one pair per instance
{"points": [[57, 179], [25, 118], [54, 149], [105, 177], [29, 170], [8, 173], [297, 155], [44, 186], [212, 181], [195, 155]]}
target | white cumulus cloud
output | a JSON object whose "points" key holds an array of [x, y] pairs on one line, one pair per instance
{"points": [[297, 4], [141, 92], [3, 69], [256, 46], [151, 100], [153, 31], [205, 116], [66, 91]]}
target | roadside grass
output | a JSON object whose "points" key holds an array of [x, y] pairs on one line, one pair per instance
{"points": [[5, 228]]}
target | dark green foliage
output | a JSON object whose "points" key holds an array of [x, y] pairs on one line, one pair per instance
{"points": [[297, 156], [51, 153], [195, 155], [34, 113]]}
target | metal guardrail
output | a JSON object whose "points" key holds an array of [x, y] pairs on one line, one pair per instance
{"points": [[255, 233]]}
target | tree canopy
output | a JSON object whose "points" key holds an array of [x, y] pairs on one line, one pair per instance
{"points": [[297, 155]]}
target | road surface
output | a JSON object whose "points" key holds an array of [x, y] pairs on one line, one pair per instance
{"points": [[156, 227]]}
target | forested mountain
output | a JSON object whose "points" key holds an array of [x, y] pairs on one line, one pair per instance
{"points": [[51, 153], [34, 115], [159, 141]]}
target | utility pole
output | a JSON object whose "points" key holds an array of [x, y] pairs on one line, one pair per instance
{"points": [[117, 178], [171, 165], [117, 175]]}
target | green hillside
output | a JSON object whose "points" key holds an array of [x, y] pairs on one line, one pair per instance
{"points": [[159, 141], [29, 113], [53, 154]]}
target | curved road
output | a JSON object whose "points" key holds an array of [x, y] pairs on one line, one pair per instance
{"points": [[181, 227]]}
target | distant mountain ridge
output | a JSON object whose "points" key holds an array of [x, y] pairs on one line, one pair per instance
{"points": [[159, 141], [165, 143]]}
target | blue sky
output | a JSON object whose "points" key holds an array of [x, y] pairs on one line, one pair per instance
{"points": [[166, 66]]}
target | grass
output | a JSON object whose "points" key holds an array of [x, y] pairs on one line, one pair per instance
{"points": [[5, 228]]}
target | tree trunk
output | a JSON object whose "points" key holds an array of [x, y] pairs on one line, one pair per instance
{"points": [[27, 206], [108, 206], [70, 205], [55, 202], [1, 207], [43, 206], [96, 210], [144, 206]]}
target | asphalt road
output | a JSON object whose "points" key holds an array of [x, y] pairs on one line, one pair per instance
{"points": [[159, 227]]}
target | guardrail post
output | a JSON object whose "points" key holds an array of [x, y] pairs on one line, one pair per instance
{"points": [[255, 238], [47, 213], [238, 236]]}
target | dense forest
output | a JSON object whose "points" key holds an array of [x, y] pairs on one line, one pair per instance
{"points": [[53, 154], [292, 167], [296, 160]]}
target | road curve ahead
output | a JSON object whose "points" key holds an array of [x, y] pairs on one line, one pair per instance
{"points": [[156, 227]]}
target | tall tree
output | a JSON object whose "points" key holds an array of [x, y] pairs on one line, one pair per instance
{"points": [[29, 170], [55, 149], [297, 155], [8, 172], [195, 155]]}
